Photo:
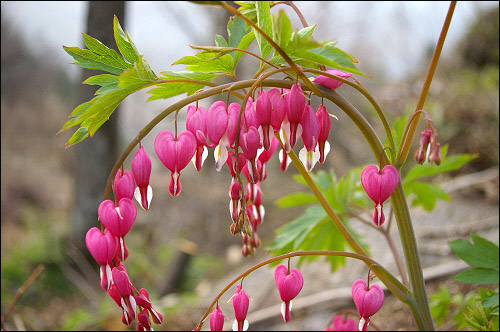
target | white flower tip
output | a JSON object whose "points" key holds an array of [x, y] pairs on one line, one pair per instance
{"points": [[361, 324], [220, 156]]}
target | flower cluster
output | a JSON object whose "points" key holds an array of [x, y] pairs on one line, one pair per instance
{"points": [[108, 248]]}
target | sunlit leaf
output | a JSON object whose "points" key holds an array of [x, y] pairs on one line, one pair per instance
{"points": [[265, 23], [424, 194]]}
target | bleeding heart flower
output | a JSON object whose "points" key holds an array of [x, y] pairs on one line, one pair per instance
{"points": [[196, 123], [175, 154], [367, 300], [332, 83], [325, 123], [217, 319], [124, 290], [297, 104], [289, 285], [124, 185], [141, 169], [142, 300], [310, 133], [423, 148], [279, 108], [250, 143], [379, 186], [264, 110], [103, 248], [241, 301]]}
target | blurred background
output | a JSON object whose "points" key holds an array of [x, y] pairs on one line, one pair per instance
{"points": [[50, 195]]}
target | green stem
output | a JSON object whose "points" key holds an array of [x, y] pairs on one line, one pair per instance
{"points": [[278, 49], [404, 148], [402, 295]]}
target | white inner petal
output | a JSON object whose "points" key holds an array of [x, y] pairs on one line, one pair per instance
{"points": [[282, 310], [220, 156], [361, 324]]}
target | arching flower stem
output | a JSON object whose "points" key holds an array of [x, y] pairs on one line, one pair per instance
{"points": [[385, 276]]}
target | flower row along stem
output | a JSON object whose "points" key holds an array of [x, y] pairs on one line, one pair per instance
{"points": [[403, 296]]}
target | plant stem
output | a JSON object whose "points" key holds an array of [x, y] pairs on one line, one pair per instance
{"points": [[404, 296], [404, 147]]}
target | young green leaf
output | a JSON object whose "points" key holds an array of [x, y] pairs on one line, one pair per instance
{"points": [[476, 255], [208, 63], [167, 90], [265, 23], [478, 276], [125, 45], [282, 29], [107, 82], [296, 199], [491, 302]]}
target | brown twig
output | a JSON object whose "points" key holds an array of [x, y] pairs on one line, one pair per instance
{"points": [[20, 292]]}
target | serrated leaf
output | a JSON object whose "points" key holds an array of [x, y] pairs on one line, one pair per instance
{"points": [[248, 9], [478, 276], [125, 45], [296, 199], [137, 77], [167, 90], [448, 164], [329, 56], [75, 115], [90, 60], [78, 136], [282, 29], [425, 194], [265, 23], [207, 63], [474, 255]]}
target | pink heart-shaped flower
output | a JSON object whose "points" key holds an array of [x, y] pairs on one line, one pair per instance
{"points": [[341, 324], [101, 246], [368, 301], [119, 219], [289, 284], [379, 185]]}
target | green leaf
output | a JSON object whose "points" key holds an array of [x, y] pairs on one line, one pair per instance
{"points": [[296, 199], [398, 129], [478, 276], [248, 9], [282, 29], [486, 246], [302, 40], [125, 45], [425, 194], [448, 164], [265, 23], [475, 255], [439, 303], [491, 302], [78, 136], [138, 77], [208, 63], [330, 56], [167, 90], [244, 44], [91, 60], [220, 41]]}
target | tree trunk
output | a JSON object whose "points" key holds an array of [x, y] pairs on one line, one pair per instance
{"points": [[95, 157]]}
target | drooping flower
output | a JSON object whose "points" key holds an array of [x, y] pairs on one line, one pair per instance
{"points": [[103, 248], [142, 300], [423, 148], [141, 169], [175, 154], [241, 301], [379, 186], [289, 285], [279, 108], [367, 300], [340, 323], [143, 322], [217, 319], [124, 290], [332, 83], [264, 110], [297, 104], [235, 193], [325, 123], [196, 123], [310, 133], [119, 220], [123, 185], [250, 143]]}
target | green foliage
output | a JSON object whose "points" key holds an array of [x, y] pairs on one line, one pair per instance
{"points": [[76, 319], [129, 73], [313, 230], [426, 194], [265, 23], [478, 310], [167, 90]]}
